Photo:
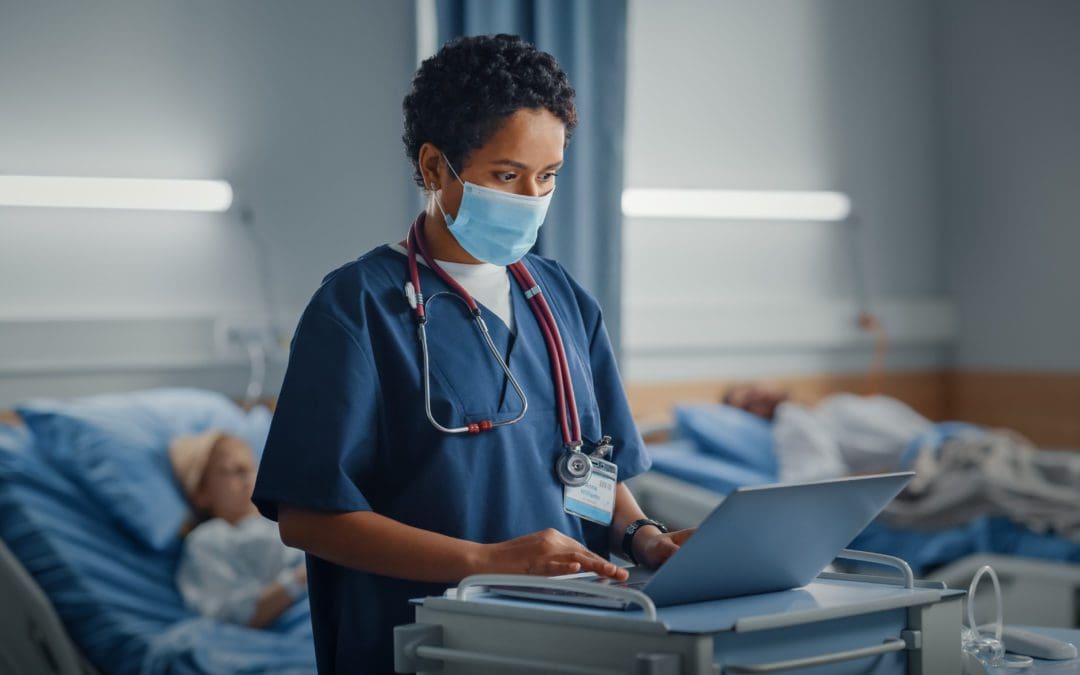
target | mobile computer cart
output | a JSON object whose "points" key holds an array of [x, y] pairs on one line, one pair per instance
{"points": [[837, 624]]}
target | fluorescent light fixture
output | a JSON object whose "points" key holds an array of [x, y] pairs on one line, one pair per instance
{"points": [[736, 204], [116, 193]]}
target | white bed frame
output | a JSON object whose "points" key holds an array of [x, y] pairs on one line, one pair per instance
{"points": [[1035, 592]]}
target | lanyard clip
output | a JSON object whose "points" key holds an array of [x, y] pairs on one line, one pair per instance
{"points": [[603, 448]]}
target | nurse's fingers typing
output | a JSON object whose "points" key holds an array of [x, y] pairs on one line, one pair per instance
{"points": [[590, 562], [555, 568], [655, 550], [546, 552], [680, 536]]}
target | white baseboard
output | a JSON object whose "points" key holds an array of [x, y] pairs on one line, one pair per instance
{"points": [[683, 340], [72, 356], [719, 325]]}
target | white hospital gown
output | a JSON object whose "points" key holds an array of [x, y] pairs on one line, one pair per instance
{"points": [[224, 567], [844, 434]]}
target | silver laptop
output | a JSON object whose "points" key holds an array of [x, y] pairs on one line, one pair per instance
{"points": [[759, 539]]}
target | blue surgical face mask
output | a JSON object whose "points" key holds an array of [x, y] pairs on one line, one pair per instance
{"points": [[495, 226]]}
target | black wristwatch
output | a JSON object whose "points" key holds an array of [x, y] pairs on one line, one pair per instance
{"points": [[631, 530]]}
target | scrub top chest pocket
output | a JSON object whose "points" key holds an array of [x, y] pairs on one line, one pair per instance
{"points": [[467, 383]]}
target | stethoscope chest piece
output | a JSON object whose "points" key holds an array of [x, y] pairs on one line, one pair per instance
{"points": [[573, 468]]}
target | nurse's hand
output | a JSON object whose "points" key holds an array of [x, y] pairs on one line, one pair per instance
{"points": [[652, 547], [546, 553]]}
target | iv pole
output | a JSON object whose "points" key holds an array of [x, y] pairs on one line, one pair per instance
{"points": [[256, 345], [867, 320]]}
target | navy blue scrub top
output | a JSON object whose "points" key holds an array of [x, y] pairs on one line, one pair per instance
{"points": [[349, 432]]}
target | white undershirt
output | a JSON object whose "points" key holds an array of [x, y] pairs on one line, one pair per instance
{"points": [[488, 284]]}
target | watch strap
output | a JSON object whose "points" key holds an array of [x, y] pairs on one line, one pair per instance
{"points": [[631, 530]]}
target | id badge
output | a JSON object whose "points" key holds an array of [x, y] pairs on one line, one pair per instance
{"points": [[595, 500]]}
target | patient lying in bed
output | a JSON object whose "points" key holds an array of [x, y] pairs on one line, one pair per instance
{"points": [[962, 470], [843, 434], [233, 567]]}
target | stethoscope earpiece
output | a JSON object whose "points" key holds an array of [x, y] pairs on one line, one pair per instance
{"points": [[573, 468]]}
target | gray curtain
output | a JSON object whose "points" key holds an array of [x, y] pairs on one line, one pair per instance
{"points": [[583, 229]]}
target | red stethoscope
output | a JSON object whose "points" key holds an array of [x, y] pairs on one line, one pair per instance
{"points": [[573, 467]]}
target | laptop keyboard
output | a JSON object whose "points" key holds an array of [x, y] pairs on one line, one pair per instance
{"points": [[622, 584], [630, 584]]}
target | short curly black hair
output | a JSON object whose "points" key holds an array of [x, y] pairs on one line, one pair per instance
{"points": [[461, 96]]}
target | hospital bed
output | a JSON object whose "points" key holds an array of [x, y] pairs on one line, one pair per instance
{"points": [[1040, 574], [34, 638], [87, 587]]}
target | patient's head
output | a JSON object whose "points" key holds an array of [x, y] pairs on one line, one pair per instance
{"points": [[757, 399], [225, 487]]}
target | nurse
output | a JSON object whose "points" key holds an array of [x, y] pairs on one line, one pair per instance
{"points": [[402, 466]]}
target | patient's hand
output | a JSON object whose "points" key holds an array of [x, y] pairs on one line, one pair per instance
{"points": [[652, 548]]}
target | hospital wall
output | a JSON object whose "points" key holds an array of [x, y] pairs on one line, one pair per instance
{"points": [[1011, 169], [773, 95], [298, 105]]}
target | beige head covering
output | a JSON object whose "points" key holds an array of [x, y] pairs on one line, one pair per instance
{"points": [[188, 455]]}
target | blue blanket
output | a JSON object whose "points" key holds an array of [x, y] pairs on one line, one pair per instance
{"points": [[681, 459], [116, 596], [927, 550]]}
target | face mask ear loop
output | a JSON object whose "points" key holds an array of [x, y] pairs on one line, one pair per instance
{"points": [[451, 167], [438, 202]]}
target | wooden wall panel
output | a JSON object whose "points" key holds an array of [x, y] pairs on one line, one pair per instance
{"points": [[1045, 407], [926, 391]]}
